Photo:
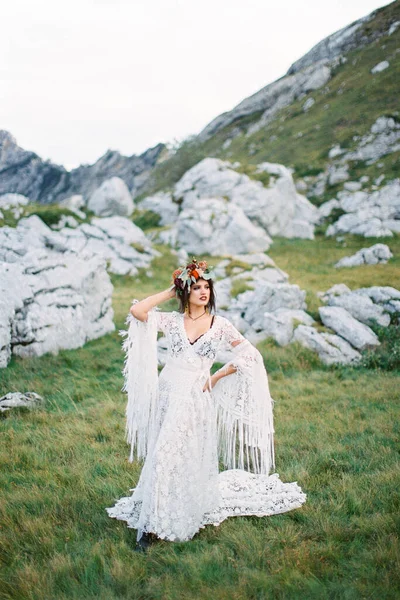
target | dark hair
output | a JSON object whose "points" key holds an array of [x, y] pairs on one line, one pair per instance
{"points": [[184, 297]]}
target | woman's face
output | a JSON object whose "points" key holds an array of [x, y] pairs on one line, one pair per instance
{"points": [[199, 293]]}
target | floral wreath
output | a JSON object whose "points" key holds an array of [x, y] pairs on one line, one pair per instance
{"points": [[185, 276]]}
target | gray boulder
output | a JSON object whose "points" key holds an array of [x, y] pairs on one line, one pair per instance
{"points": [[220, 228], [256, 258], [360, 336], [19, 400], [280, 324], [361, 308], [267, 297], [8, 201], [66, 221], [381, 66], [385, 296], [332, 349], [111, 198], [51, 302], [162, 204], [338, 173], [75, 204], [379, 253]]}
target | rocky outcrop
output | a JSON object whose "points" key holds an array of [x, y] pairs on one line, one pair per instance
{"points": [[55, 291], [279, 209], [50, 302], [338, 43], [349, 314], [110, 238], [383, 138], [14, 203], [24, 172], [371, 214], [271, 307], [379, 253], [272, 98], [369, 305]]}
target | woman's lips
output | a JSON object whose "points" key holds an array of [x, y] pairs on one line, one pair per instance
{"points": [[203, 297]]}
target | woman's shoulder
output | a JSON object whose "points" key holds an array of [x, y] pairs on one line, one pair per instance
{"points": [[221, 320]]}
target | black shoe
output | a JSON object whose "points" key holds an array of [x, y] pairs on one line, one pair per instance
{"points": [[145, 541]]}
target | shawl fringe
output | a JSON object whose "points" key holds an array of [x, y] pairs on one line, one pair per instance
{"points": [[140, 382], [245, 414]]}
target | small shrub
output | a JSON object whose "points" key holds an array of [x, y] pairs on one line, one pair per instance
{"points": [[146, 219], [49, 213], [307, 171], [8, 219], [386, 356], [332, 218], [138, 247]]}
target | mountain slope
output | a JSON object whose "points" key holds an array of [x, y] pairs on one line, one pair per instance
{"points": [[300, 135], [24, 172]]}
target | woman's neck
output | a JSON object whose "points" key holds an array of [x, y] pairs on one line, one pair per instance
{"points": [[196, 311]]}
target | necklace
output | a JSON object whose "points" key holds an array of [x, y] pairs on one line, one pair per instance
{"points": [[202, 315]]}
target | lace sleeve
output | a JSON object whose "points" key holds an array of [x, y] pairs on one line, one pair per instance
{"points": [[163, 320], [230, 334]]}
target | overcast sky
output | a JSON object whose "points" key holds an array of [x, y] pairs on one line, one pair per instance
{"points": [[82, 76]]}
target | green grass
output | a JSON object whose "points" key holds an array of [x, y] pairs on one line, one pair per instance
{"points": [[336, 434]]}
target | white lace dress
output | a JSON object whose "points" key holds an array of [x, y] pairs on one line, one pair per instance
{"points": [[182, 432]]}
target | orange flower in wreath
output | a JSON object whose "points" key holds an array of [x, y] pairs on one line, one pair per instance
{"points": [[176, 273], [194, 274]]}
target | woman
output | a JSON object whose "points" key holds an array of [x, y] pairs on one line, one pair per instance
{"points": [[183, 421]]}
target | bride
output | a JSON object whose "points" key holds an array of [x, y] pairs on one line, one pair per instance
{"points": [[183, 421]]}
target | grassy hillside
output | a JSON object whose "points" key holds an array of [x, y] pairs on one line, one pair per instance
{"points": [[336, 434], [347, 106]]}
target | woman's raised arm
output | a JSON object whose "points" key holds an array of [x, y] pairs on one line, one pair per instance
{"points": [[141, 309]]}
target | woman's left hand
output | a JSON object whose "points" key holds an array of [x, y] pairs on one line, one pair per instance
{"points": [[214, 378]]}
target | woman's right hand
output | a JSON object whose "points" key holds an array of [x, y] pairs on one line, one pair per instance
{"points": [[141, 309]]}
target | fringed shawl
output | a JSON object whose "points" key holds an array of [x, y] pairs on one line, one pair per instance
{"points": [[245, 413], [243, 401]]}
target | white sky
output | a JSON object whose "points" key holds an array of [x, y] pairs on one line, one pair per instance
{"points": [[82, 76]]}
